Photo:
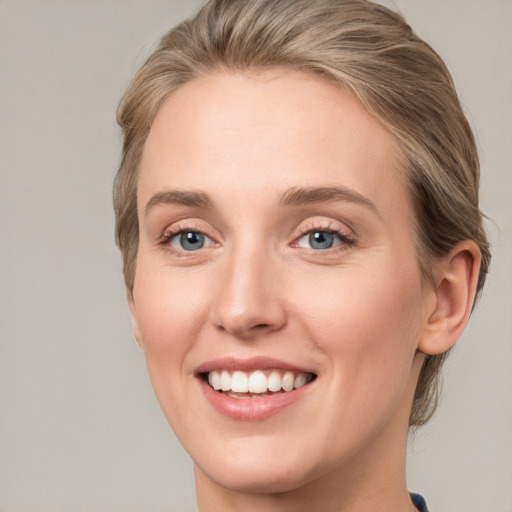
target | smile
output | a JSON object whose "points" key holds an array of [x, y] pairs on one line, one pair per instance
{"points": [[252, 389], [257, 383]]}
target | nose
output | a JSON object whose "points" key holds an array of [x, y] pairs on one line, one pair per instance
{"points": [[249, 303]]}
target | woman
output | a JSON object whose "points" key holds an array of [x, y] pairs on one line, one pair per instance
{"points": [[297, 209]]}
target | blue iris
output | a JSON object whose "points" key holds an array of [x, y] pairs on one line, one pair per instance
{"points": [[321, 240], [191, 240]]}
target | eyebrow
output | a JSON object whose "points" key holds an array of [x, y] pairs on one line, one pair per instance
{"points": [[299, 196], [295, 196], [183, 197]]}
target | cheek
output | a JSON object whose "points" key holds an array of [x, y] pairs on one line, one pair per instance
{"points": [[367, 327], [170, 315], [169, 309], [367, 323]]}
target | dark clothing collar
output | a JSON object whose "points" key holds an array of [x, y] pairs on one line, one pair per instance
{"points": [[419, 502]]}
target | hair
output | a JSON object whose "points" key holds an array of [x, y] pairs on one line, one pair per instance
{"points": [[369, 51]]}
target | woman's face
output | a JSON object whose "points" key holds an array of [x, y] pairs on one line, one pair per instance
{"points": [[276, 249]]}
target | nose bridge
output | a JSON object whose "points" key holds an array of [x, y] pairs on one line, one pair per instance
{"points": [[249, 302]]}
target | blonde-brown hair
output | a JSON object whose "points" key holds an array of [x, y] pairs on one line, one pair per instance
{"points": [[369, 51]]}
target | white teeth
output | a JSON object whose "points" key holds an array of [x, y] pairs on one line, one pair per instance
{"points": [[288, 380], [214, 380], [300, 380], [257, 381], [239, 382], [225, 381], [274, 381]]}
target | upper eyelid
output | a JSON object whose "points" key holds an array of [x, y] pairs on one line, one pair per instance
{"points": [[170, 233], [329, 225], [343, 237], [321, 224], [187, 225]]}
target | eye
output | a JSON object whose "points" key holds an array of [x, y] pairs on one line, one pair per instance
{"points": [[320, 240], [190, 241]]}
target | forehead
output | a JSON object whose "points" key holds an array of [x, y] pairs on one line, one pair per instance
{"points": [[275, 130]]}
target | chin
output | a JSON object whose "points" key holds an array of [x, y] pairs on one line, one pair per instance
{"points": [[264, 478], [255, 466]]}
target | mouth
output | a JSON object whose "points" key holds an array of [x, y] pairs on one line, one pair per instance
{"points": [[253, 389], [256, 383]]}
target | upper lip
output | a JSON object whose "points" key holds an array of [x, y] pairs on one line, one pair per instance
{"points": [[253, 363]]}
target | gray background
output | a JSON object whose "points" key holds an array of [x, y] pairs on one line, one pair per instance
{"points": [[80, 429]]}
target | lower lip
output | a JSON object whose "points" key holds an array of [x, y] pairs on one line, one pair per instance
{"points": [[251, 409]]}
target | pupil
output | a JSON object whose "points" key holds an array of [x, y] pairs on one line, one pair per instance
{"points": [[191, 241], [321, 240]]}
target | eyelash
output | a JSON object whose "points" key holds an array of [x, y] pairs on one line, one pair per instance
{"points": [[173, 232], [345, 239]]}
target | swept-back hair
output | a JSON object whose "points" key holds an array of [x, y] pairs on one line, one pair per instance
{"points": [[364, 48]]}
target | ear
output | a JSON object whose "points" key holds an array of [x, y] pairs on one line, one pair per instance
{"points": [[135, 322], [455, 282]]}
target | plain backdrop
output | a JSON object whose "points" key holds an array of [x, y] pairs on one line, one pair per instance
{"points": [[80, 429]]}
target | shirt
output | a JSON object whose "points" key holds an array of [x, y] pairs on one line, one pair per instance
{"points": [[419, 502]]}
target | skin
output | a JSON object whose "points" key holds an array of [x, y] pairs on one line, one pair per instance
{"points": [[357, 315]]}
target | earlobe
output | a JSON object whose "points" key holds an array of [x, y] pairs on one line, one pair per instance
{"points": [[133, 314], [456, 279]]}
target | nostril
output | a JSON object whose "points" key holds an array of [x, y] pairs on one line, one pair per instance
{"points": [[249, 317], [249, 331]]}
